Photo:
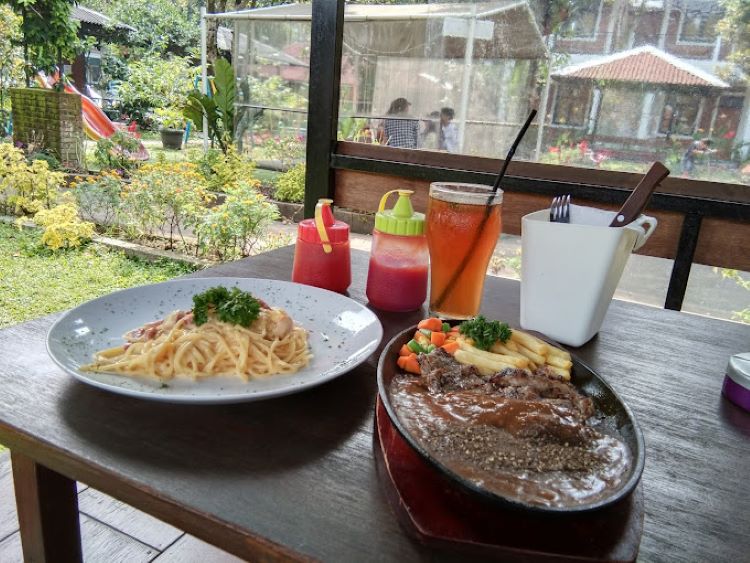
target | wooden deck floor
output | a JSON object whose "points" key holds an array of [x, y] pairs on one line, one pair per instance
{"points": [[111, 531]]}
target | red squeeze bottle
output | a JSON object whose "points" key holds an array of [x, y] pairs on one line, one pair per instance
{"points": [[321, 256]]}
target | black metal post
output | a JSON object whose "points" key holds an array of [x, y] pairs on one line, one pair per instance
{"points": [[326, 39], [691, 228]]}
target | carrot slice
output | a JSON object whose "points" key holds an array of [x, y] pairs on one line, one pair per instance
{"points": [[450, 347], [412, 366], [405, 350], [437, 338], [401, 362], [431, 324]]}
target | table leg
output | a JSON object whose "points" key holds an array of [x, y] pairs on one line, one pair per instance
{"points": [[47, 505]]}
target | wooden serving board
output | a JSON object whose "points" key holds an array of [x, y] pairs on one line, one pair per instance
{"points": [[436, 512]]}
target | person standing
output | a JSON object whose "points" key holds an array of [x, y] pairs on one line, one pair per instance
{"points": [[697, 147], [428, 134], [399, 130], [448, 131]]}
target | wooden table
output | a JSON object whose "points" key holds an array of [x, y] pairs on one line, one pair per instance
{"points": [[294, 477]]}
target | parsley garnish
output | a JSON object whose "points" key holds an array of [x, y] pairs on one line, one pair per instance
{"points": [[230, 306], [485, 333]]}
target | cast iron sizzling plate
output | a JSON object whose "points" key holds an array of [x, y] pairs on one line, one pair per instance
{"points": [[586, 380]]}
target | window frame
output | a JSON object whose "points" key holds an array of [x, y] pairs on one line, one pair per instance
{"points": [[595, 35], [586, 109], [696, 121], [698, 43]]}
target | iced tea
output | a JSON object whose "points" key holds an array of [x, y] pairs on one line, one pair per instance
{"points": [[463, 225]]}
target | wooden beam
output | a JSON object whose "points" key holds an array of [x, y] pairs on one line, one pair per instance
{"points": [[673, 185], [327, 32], [47, 505]]}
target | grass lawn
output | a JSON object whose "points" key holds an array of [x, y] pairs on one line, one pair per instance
{"points": [[35, 282]]}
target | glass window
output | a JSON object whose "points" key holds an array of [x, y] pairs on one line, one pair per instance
{"points": [[488, 63], [571, 104], [581, 19], [680, 114], [699, 26], [272, 63]]}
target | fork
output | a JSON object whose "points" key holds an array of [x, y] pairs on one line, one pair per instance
{"points": [[559, 211]]}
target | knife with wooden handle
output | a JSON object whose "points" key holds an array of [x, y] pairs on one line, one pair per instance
{"points": [[636, 203]]}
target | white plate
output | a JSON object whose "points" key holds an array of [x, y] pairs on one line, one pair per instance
{"points": [[343, 334]]}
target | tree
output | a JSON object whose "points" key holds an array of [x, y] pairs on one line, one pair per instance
{"points": [[161, 25], [11, 65], [219, 6], [156, 82], [49, 34], [736, 25]]}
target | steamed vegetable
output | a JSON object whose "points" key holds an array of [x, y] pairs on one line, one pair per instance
{"points": [[485, 333]]}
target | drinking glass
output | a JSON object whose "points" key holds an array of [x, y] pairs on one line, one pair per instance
{"points": [[463, 225]]}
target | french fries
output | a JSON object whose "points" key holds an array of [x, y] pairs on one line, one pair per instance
{"points": [[559, 362], [500, 348], [530, 342], [536, 352], [508, 360], [485, 366]]}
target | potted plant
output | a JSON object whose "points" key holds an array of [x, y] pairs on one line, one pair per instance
{"points": [[172, 127]]}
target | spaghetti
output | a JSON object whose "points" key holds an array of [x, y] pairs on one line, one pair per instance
{"points": [[179, 347]]}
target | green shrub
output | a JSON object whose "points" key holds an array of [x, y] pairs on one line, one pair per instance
{"points": [[291, 185], [116, 152], [155, 82], [165, 198], [170, 118], [26, 187], [224, 171], [51, 160], [217, 110], [98, 198], [63, 228], [232, 229]]}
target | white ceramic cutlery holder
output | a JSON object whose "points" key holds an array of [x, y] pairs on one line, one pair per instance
{"points": [[569, 271]]}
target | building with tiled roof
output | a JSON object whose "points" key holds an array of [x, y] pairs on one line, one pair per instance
{"points": [[637, 100], [645, 64]]}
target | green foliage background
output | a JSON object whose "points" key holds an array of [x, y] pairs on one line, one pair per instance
{"points": [[156, 81], [48, 31]]}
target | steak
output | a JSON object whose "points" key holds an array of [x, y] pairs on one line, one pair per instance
{"points": [[441, 373]]}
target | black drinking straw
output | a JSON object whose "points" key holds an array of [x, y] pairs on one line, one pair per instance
{"points": [[488, 209]]}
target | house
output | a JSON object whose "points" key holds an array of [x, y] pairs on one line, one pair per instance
{"points": [[86, 68], [646, 77]]}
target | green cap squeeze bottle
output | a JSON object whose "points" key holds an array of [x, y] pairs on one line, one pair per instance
{"points": [[397, 277]]}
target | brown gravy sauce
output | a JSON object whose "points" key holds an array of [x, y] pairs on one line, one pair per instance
{"points": [[486, 440]]}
